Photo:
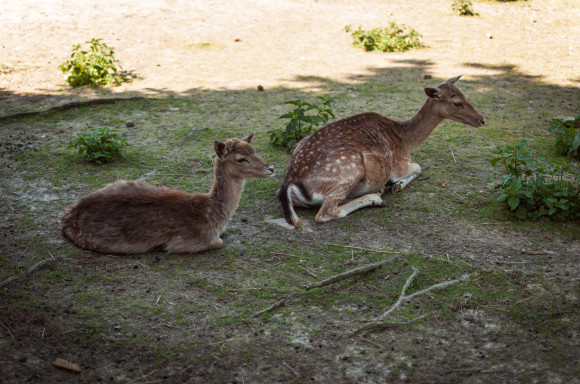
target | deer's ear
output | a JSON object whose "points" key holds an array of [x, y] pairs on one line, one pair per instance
{"points": [[432, 93], [249, 138], [220, 149], [453, 79]]}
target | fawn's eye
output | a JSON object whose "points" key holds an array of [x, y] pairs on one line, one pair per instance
{"points": [[242, 161], [458, 105]]}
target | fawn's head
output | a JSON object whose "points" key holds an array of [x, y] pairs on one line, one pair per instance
{"points": [[452, 104], [238, 158]]}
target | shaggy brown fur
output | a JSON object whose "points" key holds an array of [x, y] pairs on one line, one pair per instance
{"points": [[134, 217], [355, 157]]}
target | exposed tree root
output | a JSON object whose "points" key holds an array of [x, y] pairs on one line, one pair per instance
{"points": [[70, 105]]}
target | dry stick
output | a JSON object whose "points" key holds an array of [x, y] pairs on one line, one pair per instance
{"points": [[28, 271], [310, 273], [292, 369], [386, 325], [362, 249], [348, 274], [270, 308], [403, 297]]}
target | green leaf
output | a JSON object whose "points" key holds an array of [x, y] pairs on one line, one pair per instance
{"points": [[513, 202]]}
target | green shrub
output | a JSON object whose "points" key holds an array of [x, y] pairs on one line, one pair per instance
{"points": [[394, 38], [95, 66], [463, 7], [100, 146], [532, 187], [567, 136], [301, 124]]}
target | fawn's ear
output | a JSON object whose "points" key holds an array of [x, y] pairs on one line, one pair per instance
{"points": [[249, 138], [220, 149], [432, 93], [453, 79]]}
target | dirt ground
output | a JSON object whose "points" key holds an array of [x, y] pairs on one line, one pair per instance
{"points": [[177, 48]]}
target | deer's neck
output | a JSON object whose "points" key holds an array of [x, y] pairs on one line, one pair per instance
{"points": [[418, 128], [225, 194]]}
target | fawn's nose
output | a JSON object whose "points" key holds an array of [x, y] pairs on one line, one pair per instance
{"points": [[270, 169]]}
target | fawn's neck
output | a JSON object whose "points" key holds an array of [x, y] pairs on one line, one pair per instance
{"points": [[418, 128], [225, 194]]}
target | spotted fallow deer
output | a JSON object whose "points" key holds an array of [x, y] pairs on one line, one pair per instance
{"points": [[133, 217], [354, 158]]}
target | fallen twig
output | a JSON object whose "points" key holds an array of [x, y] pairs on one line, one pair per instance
{"points": [[379, 325], [62, 363], [359, 248], [28, 271], [310, 273], [386, 325], [292, 369], [270, 308], [353, 272]]}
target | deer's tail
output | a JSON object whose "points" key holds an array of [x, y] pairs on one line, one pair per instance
{"points": [[285, 197]]}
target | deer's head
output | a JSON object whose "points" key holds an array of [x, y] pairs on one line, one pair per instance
{"points": [[452, 104], [238, 158]]}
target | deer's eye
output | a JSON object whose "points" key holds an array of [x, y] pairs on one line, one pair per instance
{"points": [[242, 161], [458, 105]]}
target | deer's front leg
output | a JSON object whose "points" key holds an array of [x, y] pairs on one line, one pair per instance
{"points": [[401, 179]]}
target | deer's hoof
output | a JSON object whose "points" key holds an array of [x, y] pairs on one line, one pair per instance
{"points": [[396, 187], [377, 201]]}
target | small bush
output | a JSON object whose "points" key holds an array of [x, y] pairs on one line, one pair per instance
{"points": [[463, 7], [100, 146], [301, 124], [394, 38], [532, 188], [94, 67], [567, 136]]}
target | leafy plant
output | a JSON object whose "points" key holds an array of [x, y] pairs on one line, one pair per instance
{"points": [[567, 136], [99, 146], [95, 66], [394, 38], [532, 187], [301, 124], [463, 7]]}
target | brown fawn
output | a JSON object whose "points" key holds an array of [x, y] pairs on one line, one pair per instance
{"points": [[354, 158], [133, 217]]}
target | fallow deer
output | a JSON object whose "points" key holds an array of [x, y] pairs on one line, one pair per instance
{"points": [[354, 158], [133, 217]]}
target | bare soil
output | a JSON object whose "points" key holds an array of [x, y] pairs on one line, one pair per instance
{"points": [[175, 318]]}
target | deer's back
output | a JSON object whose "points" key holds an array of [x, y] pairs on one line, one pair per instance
{"points": [[366, 134], [128, 212]]}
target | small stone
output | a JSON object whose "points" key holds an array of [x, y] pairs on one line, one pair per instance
{"points": [[489, 35], [129, 123], [427, 77], [260, 88]]}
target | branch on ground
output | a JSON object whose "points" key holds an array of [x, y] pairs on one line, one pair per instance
{"points": [[348, 274], [378, 325]]}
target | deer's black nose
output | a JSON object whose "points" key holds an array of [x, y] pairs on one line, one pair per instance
{"points": [[270, 169]]}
